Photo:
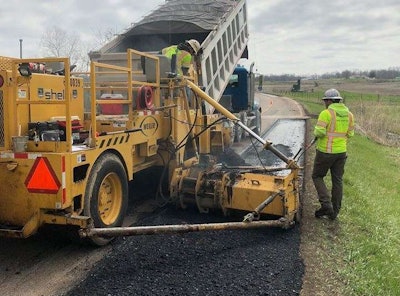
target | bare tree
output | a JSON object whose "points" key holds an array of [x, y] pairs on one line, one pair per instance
{"points": [[103, 36], [56, 42]]}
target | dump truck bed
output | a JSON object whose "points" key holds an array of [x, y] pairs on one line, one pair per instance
{"points": [[220, 26]]}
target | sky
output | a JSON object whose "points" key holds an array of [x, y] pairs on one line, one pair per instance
{"points": [[301, 37]]}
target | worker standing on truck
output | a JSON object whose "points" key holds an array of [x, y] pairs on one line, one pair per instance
{"points": [[184, 52], [335, 125]]}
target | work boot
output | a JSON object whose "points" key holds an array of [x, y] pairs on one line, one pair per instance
{"points": [[333, 216], [324, 211]]}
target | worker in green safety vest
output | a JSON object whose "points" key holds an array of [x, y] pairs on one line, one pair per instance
{"points": [[184, 52], [335, 125]]}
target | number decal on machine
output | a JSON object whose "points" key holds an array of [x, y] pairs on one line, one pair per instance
{"points": [[75, 82]]}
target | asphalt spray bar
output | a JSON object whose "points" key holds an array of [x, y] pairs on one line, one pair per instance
{"points": [[267, 145]]}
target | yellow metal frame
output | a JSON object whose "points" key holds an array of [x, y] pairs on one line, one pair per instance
{"points": [[135, 143]]}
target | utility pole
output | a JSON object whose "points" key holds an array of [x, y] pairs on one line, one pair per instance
{"points": [[20, 48]]}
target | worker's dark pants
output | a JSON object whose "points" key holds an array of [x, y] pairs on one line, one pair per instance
{"points": [[335, 163]]}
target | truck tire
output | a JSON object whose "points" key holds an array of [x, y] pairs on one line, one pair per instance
{"points": [[106, 196]]}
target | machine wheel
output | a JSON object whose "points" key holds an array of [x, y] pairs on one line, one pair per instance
{"points": [[106, 197]]}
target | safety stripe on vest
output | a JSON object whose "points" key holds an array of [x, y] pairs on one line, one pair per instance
{"points": [[180, 56], [332, 134], [336, 135], [321, 123], [331, 130]]}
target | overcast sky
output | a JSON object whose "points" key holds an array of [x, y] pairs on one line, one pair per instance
{"points": [[286, 37]]}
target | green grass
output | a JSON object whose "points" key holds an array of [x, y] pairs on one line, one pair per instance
{"points": [[370, 218], [377, 116], [367, 239]]}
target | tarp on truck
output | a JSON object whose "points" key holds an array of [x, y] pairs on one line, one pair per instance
{"points": [[172, 23]]}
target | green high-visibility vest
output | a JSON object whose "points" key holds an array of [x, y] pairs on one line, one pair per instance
{"points": [[335, 125], [183, 58]]}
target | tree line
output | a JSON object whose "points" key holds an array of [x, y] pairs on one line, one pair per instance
{"points": [[56, 42], [390, 73]]}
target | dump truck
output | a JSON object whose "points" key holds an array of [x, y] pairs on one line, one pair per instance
{"points": [[239, 98], [222, 30], [70, 143]]}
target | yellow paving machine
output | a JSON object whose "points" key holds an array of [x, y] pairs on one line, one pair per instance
{"points": [[71, 142]]}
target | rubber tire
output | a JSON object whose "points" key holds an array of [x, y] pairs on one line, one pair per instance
{"points": [[108, 166]]}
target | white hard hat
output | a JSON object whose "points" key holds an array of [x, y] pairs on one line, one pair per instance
{"points": [[332, 94], [194, 44]]}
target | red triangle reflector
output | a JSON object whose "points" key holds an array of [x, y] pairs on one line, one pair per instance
{"points": [[42, 178]]}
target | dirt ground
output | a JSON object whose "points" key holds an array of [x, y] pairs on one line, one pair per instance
{"points": [[321, 277]]}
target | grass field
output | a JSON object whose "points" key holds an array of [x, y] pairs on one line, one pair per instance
{"points": [[375, 104], [371, 233], [363, 245]]}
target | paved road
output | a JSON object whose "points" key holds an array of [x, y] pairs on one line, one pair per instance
{"points": [[274, 108], [282, 123]]}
